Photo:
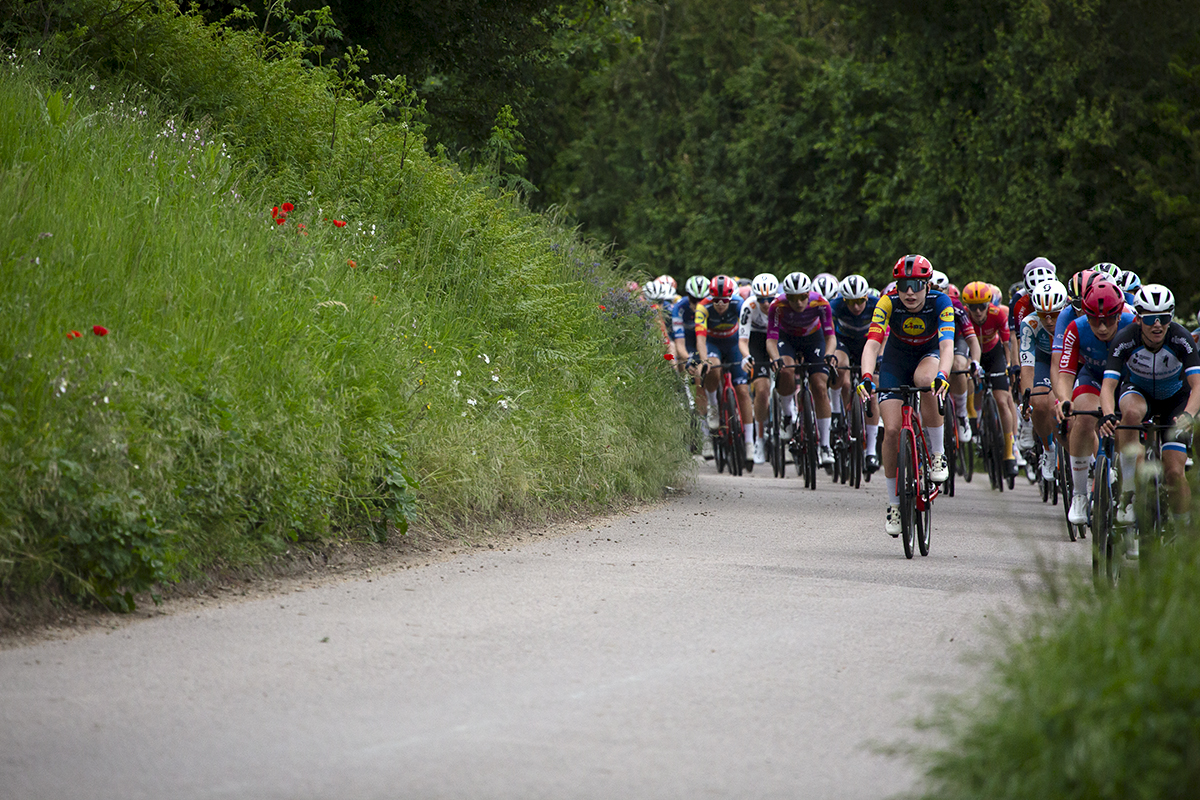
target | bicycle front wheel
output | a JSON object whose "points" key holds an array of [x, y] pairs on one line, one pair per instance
{"points": [[906, 486], [924, 500], [774, 438], [857, 446], [733, 432], [1106, 552]]}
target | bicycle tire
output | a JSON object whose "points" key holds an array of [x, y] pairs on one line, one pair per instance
{"points": [[968, 462], [809, 415], [774, 440], [857, 447], [906, 486], [950, 434], [990, 420], [1065, 486], [733, 431], [1106, 555], [924, 516]]}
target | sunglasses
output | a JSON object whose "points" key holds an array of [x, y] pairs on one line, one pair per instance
{"points": [[1156, 319], [721, 299], [910, 285], [1109, 320], [978, 306]]}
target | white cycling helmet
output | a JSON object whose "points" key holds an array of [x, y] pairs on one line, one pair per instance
{"points": [[1107, 268], [939, 280], [796, 283], [697, 287], [659, 291], [1037, 275], [765, 285], [671, 281], [826, 285], [854, 287], [1041, 261], [1049, 296], [1129, 281], [1154, 298]]}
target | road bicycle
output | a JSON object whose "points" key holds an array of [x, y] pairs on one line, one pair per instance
{"points": [[805, 442], [1049, 489], [991, 433], [913, 482], [774, 442], [1063, 477], [848, 437], [729, 449], [956, 453]]}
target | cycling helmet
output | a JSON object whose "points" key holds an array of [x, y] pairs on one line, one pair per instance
{"points": [[827, 285], [1154, 298], [939, 280], [997, 295], [765, 284], [1106, 268], [976, 293], [912, 266], [1076, 284], [1049, 297], [722, 287], [854, 287], [891, 287], [953, 293], [654, 291], [1036, 275], [670, 280], [696, 286], [1103, 299], [1129, 281], [1013, 288], [1040, 262], [796, 283]]}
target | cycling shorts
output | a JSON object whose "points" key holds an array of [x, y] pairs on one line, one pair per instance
{"points": [[1087, 382], [758, 351], [852, 348], [1041, 372], [961, 348], [994, 361], [731, 356], [1168, 408], [808, 349], [898, 365]]}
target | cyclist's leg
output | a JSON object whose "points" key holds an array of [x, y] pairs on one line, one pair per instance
{"points": [[741, 386], [958, 383], [1132, 406], [931, 418], [814, 353], [785, 381], [1174, 456], [993, 361], [1041, 414], [1082, 437], [761, 380]]}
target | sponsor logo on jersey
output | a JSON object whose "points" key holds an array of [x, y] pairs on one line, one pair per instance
{"points": [[913, 326]]}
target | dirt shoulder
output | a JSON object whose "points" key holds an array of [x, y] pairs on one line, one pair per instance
{"points": [[51, 618]]}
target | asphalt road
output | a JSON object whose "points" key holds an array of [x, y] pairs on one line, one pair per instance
{"points": [[749, 639]]}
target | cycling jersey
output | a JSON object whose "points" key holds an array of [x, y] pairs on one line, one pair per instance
{"points": [[683, 323], [1036, 342], [851, 328], [1084, 354], [753, 319], [993, 330], [718, 325], [782, 320], [1155, 374], [1020, 307], [933, 321]]}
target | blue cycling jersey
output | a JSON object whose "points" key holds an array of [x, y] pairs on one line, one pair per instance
{"points": [[850, 326], [1156, 374]]}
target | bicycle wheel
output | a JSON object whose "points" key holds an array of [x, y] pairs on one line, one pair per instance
{"points": [[967, 462], [774, 438], [857, 452], [733, 431], [950, 432], [1064, 484], [809, 417], [990, 421], [1106, 551], [924, 510], [906, 486]]}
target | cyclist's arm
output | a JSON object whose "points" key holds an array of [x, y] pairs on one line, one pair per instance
{"points": [[1193, 403], [974, 348], [1108, 394]]}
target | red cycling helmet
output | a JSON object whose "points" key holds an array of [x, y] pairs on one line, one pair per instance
{"points": [[1103, 299], [913, 267], [722, 287], [952, 290]]}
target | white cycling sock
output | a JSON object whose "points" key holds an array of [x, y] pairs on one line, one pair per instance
{"points": [[872, 433], [712, 398], [1128, 470], [835, 401], [1079, 473], [823, 430], [960, 405], [789, 406], [893, 492], [748, 430], [937, 439]]}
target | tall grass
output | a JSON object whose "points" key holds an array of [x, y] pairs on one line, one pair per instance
{"points": [[261, 382]]}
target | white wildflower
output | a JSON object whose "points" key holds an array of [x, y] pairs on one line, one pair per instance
{"points": [[471, 401]]}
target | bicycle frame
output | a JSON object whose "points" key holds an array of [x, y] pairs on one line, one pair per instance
{"points": [[917, 490]]}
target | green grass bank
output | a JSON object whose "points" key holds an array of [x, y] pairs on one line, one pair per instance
{"points": [[190, 378]]}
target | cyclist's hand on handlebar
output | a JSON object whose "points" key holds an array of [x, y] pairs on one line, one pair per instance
{"points": [[748, 363], [976, 368], [777, 365], [940, 385], [832, 361], [866, 387], [1108, 424], [1183, 426], [1062, 410]]}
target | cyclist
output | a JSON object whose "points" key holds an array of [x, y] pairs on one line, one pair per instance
{"points": [[717, 319], [966, 358], [1158, 368], [1080, 374], [800, 330], [1036, 271], [660, 296], [827, 286], [991, 325], [752, 340], [1037, 338], [919, 352], [683, 334], [852, 312]]}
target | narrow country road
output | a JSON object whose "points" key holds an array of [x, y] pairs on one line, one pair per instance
{"points": [[748, 639]]}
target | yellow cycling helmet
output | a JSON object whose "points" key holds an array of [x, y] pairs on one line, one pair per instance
{"points": [[976, 293]]}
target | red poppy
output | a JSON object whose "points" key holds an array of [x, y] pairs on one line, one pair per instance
{"points": [[350, 261], [287, 208], [341, 223], [602, 308], [274, 212], [299, 226], [99, 330], [669, 356], [74, 335], [280, 219]]}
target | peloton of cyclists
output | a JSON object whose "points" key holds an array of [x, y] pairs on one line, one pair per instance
{"points": [[852, 311]]}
